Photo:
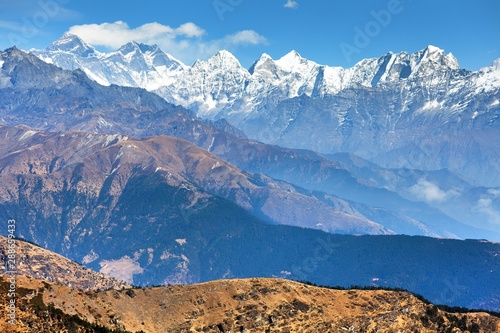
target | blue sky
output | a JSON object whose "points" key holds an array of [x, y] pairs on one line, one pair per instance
{"points": [[333, 32]]}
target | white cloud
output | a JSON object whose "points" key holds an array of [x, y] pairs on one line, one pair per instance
{"points": [[486, 205], [190, 30], [494, 192], [245, 37], [186, 42], [427, 191], [291, 4], [114, 35], [124, 268]]}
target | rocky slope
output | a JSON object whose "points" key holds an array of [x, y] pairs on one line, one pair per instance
{"points": [[42, 264], [250, 305]]}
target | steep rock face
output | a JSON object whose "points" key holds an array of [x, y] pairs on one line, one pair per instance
{"points": [[249, 305]]}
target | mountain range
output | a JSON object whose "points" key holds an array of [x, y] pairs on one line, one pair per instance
{"points": [[50, 99], [131, 185], [417, 111], [420, 110]]}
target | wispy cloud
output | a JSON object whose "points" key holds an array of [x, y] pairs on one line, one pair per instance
{"points": [[488, 204], [291, 4], [187, 42], [10, 25], [430, 192]]}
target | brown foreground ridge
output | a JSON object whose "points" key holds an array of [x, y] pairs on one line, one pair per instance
{"points": [[240, 305]]}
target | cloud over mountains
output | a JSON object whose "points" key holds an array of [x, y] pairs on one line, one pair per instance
{"points": [[187, 42]]}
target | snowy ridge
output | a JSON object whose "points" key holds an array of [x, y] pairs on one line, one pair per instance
{"points": [[211, 86], [133, 65], [490, 78]]}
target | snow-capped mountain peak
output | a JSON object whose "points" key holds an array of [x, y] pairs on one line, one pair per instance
{"points": [[225, 59], [134, 46], [293, 62], [489, 80], [437, 56], [160, 58], [131, 46], [264, 57], [264, 66], [433, 49], [394, 67], [72, 44], [290, 58], [134, 64]]}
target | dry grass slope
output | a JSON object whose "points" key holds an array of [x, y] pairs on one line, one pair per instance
{"points": [[248, 305]]}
